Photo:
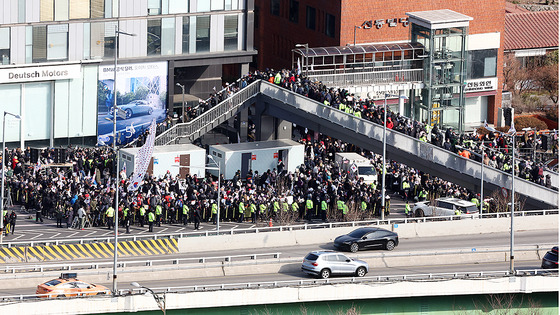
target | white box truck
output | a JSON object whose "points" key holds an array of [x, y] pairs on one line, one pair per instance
{"points": [[179, 159], [354, 163], [256, 156]]}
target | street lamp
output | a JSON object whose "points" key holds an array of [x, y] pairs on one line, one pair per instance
{"points": [[355, 27], [160, 300], [404, 97], [3, 165], [511, 241], [210, 157], [183, 90], [306, 46], [117, 33]]}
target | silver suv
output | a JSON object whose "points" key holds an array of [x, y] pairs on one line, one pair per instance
{"points": [[445, 206], [326, 263]]}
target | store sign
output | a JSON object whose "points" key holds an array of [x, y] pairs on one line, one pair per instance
{"points": [[394, 22], [481, 85], [32, 74]]}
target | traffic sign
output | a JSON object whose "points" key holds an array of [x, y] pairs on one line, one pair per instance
{"points": [[504, 192]]}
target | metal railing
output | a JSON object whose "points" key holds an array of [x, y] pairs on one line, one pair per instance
{"points": [[465, 275], [210, 118], [369, 78], [305, 226], [123, 264]]}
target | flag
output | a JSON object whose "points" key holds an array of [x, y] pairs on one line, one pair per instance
{"points": [[512, 128], [37, 167], [298, 67], [143, 159], [488, 127]]}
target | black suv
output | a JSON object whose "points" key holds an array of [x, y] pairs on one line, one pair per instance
{"points": [[550, 259]]}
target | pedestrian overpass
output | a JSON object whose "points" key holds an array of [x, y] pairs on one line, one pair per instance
{"points": [[283, 104]]}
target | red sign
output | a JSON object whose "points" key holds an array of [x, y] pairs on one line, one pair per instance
{"points": [[177, 159], [253, 157], [276, 155]]}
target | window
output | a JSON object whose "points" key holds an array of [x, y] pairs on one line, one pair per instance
{"points": [[39, 45], [21, 11], [202, 33], [97, 10], [217, 5], [275, 7], [47, 10], [154, 37], [5, 46], [102, 39], [168, 36], [311, 15], [482, 63], [294, 11], [154, 7], [57, 42], [203, 5], [79, 9], [60, 10], [329, 25], [186, 34], [230, 32], [178, 6]]}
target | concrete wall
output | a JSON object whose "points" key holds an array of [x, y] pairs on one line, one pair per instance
{"points": [[265, 296], [409, 230]]}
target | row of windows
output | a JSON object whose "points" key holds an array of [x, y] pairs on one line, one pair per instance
{"points": [[62, 10], [311, 16], [51, 42]]}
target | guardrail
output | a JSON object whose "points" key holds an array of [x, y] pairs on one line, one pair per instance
{"points": [[308, 282], [369, 78], [137, 263], [305, 226]]}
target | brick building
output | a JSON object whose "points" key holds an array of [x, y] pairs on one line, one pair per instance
{"points": [[280, 25]]}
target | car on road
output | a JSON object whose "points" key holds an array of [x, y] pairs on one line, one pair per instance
{"points": [[135, 108], [367, 238], [445, 206], [326, 263], [67, 286], [550, 259]]}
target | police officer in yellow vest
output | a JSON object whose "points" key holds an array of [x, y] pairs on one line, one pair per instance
{"points": [[253, 209], [158, 215], [126, 219], [324, 207], [241, 210], [185, 213], [142, 215], [340, 207], [407, 209], [214, 212], [110, 214], [151, 219], [275, 207], [309, 207]]}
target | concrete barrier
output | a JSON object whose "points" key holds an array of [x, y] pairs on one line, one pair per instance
{"points": [[408, 230]]}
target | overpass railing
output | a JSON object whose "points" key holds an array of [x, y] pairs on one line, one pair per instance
{"points": [[404, 143], [479, 275], [306, 226], [210, 118], [369, 78]]}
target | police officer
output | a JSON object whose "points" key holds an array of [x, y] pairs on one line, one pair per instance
{"points": [[253, 209], [407, 209], [185, 214], [110, 213], [142, 215], [241, 210], [151, 219], [324, 210], [214, 212], [158, 215], [126, 219]]}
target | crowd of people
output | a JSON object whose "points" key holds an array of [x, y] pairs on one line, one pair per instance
{"points": [[82, 193]]}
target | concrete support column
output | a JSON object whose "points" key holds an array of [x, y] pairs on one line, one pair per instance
{"points": [[283, 129], [243, 119], [244, 69], [401, 102]]}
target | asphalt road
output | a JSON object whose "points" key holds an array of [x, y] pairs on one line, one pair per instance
{"points": [[27, 229]]}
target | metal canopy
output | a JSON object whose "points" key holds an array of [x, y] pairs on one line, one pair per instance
{"points": [[356, 49]]}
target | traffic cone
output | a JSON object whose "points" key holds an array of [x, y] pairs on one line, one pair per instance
{"points": [[270, 223]]}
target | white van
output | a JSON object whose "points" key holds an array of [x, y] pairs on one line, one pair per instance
{"points": [[354, 163]]}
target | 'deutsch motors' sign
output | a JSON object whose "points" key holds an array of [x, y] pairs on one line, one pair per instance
{"points": [[47, 73]]}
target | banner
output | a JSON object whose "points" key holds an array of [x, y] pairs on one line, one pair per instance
{"points": [[141, 92], [142, 159]]}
